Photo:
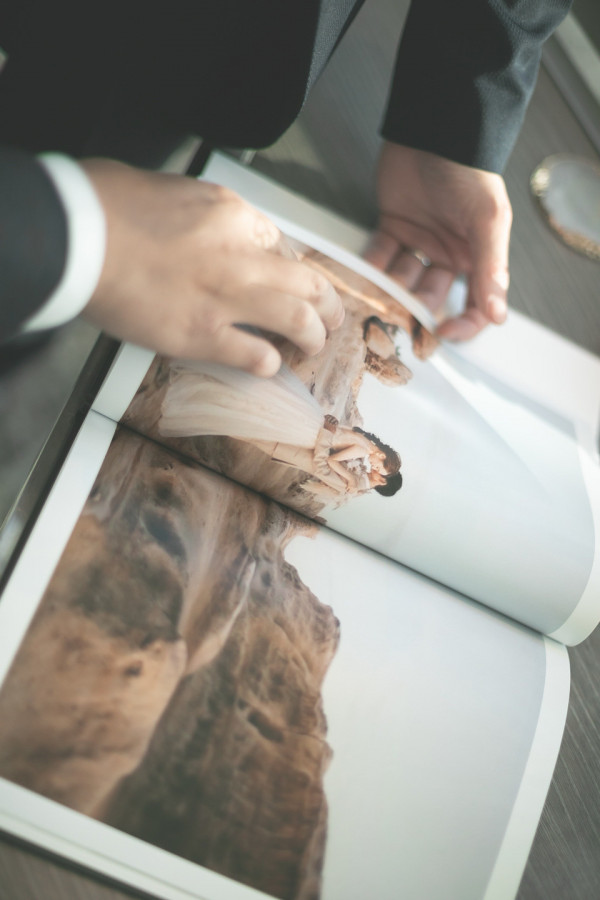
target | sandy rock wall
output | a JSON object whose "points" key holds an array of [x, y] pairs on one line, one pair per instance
{"points": [[170, 681]]}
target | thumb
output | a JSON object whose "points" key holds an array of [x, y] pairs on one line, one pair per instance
{"points": [[488, 284]]}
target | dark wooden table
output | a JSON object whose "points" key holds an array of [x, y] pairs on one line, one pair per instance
{"points": [[329, 155]]}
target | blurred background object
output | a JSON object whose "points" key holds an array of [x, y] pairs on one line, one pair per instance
{"points": [[568, 190], [568, 186]]}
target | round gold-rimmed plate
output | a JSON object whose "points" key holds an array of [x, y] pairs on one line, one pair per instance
{"points": [[568, 190]]}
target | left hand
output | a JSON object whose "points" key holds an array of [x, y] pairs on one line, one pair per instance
{"points": [[457, 218]]}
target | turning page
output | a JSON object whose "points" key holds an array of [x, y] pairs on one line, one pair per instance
{"points": [[399, 444]]}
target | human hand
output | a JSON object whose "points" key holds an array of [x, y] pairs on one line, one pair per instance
{"points": [[187, 261], [454, 217]]}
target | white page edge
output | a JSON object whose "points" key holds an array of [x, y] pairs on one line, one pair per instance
{"points": [[50, 534], [122, 381], [527, 810], [584, 618]]}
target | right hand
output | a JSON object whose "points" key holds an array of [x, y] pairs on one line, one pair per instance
{"points": [[186, 261], [458, 216]]}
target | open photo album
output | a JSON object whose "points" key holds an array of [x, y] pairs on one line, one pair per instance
{"points": [[304, 637]]}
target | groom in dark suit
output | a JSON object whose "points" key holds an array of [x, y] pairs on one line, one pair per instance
{"points": [[173, 264]]}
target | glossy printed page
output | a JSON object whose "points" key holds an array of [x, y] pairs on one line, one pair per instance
{"points": [[394, 442], [210, 696]]}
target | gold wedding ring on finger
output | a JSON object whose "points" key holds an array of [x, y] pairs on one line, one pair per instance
{"points": [[419, 255]]}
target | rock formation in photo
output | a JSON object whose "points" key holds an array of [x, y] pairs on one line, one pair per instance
{"points": [[170, 682]]}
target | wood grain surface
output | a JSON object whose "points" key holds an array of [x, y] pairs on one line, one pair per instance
{"points": [[329, 156]]}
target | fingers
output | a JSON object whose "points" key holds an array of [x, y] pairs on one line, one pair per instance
{"points": [[382, 250], [299, 280], [489, 288], [491, 308], [272, 293], [490, 276], [489, 279], [489, 240], [280, 293], [235, 347], [411, 268], [433, 287], [463, 327], [418, 259], [287, 315], [395, 235], [431, 284]]}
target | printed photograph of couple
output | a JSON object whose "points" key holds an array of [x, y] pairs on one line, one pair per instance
{"points": [[299, 437], [392, 441]]}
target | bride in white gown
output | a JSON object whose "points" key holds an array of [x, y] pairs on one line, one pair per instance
{"points": [[281, 417]]}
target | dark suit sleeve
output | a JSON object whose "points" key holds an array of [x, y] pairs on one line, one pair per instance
{"points": [[464, 76], [33, 238]]}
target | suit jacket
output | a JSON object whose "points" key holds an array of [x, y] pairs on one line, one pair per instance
{"points": [[237, 73], [33, 238]]}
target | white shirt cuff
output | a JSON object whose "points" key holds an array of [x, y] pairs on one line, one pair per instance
{"points": [[86, 243]]}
